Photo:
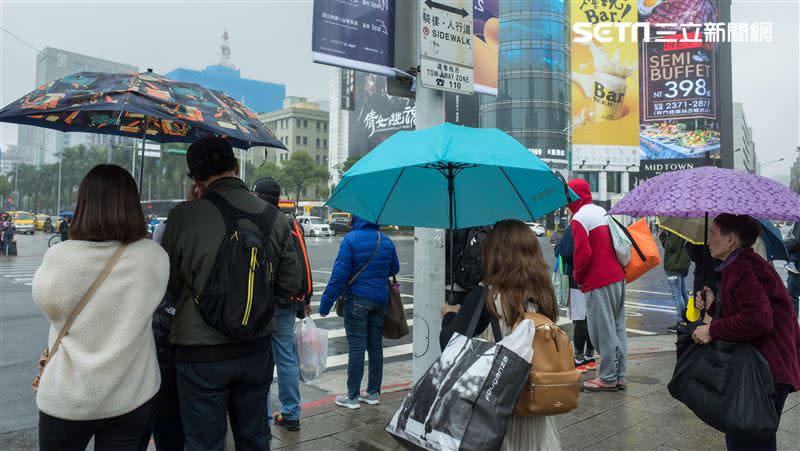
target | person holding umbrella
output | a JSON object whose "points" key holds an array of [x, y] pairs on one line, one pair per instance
{"points": [[756, 309]]}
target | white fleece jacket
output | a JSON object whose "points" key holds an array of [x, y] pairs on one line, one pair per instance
{"points": [[106, 365]]}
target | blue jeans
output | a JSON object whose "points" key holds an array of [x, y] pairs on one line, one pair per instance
{"points": [[770, 444], [286, 362], [680, 297], [209, 390], [363, 323]]}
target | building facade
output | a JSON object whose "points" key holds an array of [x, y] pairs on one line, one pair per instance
{"points": [[259, 96], [299, 125], [533, 93], [40, 145], [744, 149]]}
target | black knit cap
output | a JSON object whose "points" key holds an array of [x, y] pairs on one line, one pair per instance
{"points": [[209, 156], [268, 189]]}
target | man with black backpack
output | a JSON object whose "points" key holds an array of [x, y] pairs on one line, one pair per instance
{"points": [[467, 266], [268, 190], [231, 258]]}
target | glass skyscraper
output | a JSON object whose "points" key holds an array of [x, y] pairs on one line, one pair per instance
{"points": [[533, 99]]}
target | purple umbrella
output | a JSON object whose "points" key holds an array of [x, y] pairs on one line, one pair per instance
{"points": [[692, 193]]}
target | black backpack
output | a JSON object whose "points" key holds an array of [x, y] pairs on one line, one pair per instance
{"points": [[237, 298], [468, 267]]}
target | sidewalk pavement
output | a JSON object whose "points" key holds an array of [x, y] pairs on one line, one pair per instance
{"points": [[644, 417]]}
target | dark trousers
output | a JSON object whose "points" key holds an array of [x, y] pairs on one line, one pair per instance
{"points": [[121, 433], [583, 344], [750, 444], [165, 420], [238, 387]]}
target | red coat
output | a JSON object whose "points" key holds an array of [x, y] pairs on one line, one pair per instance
{"points": [[595, 262], [756, 308]]}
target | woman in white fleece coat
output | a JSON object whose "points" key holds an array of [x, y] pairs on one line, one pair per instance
{"points": [[100, 380]]}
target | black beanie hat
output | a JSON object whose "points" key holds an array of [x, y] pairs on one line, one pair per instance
{"points": [[268, 189], [209, 156]]}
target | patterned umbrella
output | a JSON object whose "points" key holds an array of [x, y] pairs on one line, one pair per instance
{"points": [[139, 105], [693, 193]]}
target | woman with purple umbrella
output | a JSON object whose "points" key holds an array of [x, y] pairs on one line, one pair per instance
{"points": [[756, 310], [755, 305]]}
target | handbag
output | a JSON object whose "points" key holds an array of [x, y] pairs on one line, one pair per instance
{"points": [[47, 354], [621, 241], [352, 280], [464, 400], [728, 385], [560, 281], [645, 256], [394, 323]]}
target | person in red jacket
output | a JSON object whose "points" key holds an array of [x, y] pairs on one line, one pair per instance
{"points": [[599, 275], [756, 309]]}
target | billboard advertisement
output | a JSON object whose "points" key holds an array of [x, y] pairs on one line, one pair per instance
{"points": [[486, 44], [605, 81], [354, 34], [679, 81], [376, 115]]}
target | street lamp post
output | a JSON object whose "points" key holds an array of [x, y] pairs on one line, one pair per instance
{"points": [[770, 162]]}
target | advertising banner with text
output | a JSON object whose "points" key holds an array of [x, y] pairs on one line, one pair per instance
{"points": [[605, 83], [354, 34], [679, 81]]}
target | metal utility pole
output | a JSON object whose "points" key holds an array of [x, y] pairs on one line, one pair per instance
{"points": [[429, 280], [58, 202]]}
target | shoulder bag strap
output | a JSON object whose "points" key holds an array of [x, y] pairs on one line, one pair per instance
{"points": [[371, 257], [476, 316], [85, 300]]}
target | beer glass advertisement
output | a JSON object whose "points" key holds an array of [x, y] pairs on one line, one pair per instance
{"points": [[354, 34], [485, 44], [679, 81], [605, 77], [377, 115]]}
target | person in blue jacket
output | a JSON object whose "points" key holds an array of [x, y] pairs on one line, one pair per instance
{"points": [[366, 260]]}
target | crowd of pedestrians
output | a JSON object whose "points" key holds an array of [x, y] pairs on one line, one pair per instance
{"points": [[176, 337]]}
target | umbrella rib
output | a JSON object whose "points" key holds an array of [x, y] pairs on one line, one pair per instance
{"points": [[397, 180], [517, 192]]}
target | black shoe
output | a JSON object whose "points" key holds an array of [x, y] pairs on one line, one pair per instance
{"points": [[290, 425], [673, 328]]}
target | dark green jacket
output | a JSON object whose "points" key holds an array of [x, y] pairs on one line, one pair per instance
{"points": [[192, 239], [676, 259]]}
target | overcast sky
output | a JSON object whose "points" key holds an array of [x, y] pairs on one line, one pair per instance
{"points": [[271, 40]]}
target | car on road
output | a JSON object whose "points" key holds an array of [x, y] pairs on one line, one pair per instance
{"points": [[43, 223], [340, 225], [537, 228], [24, 222], [314, 226]]}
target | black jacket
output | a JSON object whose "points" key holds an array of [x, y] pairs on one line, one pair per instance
{"points": [[696, 254], [165, 351], [566, 249]]}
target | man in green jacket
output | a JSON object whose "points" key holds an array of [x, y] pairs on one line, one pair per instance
{"points": [[676, 265], [218, 374]]}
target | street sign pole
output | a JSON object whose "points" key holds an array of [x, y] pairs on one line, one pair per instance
{"points": [[428, 243]]}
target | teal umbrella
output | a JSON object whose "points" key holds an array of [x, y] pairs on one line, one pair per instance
{"points": [[450, 176]]}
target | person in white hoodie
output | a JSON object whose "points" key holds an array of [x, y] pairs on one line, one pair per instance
{"points": [[99, 381]]}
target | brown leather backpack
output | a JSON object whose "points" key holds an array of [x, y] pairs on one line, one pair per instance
{"points": [[553, 384]]}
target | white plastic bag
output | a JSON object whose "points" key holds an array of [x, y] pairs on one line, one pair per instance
{"points": [[311, 345], [622, 244], [560, 281]]}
